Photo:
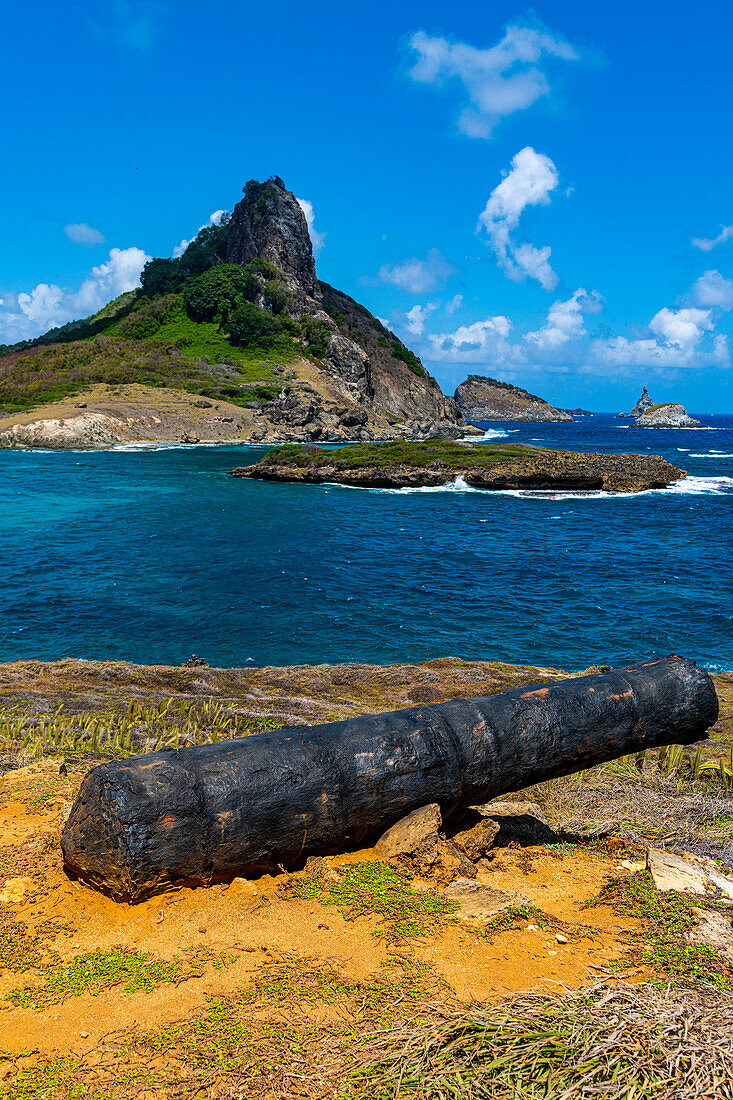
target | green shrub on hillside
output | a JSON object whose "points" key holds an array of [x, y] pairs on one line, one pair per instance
{"points": [[161, 277], [218, 291], [263, 268], [252, 327], [277, 296], [209, 247], [317, 336], [411, 361], [139, 325]]}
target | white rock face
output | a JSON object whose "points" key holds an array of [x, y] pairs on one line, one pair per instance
{"points": [[668, 415], [87, 430], [688, 873]]}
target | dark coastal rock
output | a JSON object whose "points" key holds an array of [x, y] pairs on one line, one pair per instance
{"points": [[482, 398], [492, 466], [269, 224], [668, 415]]}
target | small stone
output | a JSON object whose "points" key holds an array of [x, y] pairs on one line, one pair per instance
{"points": [[202, 928], [714, 930], [531, 928], [476, 841], [411, 833], [560, 938], [552, 952], [84, 1034], [15, 890], [520, 822], [481, 903]]}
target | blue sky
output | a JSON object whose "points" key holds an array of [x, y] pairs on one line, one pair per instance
{"points": [[516, 191]]}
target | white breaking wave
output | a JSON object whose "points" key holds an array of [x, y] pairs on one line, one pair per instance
{"points": [[694, 486], [458, 485], [490, 433], [713, 454]]}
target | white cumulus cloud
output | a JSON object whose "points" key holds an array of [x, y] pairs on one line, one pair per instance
{"points": [[676, 340], [29, 314], [507, 77], [482, 340], [529, 182], [317, 239], [416, 317], [707, 244], [713, 291], [417, 276], [81, 233], [681, 328], [565, 321]]}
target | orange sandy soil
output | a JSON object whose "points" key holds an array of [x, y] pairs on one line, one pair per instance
{"points": [[255, 925], [296, 975]]}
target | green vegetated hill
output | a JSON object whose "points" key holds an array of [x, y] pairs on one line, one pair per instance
{"points": [[198, 323]]}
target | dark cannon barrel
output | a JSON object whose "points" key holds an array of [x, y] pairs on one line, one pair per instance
{"points": [[198, 815]]}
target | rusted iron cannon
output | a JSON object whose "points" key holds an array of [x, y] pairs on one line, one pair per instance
{"points": [[199, 815]]}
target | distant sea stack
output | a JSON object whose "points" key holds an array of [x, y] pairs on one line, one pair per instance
{"points": [[481, 398], [645, 402], [667, 415]]}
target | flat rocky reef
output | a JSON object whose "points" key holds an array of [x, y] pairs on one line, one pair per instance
{"points": [[437, 462]]}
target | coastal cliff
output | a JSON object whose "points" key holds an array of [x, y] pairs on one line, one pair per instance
{"points": [[240, 318], [482, 398], [436, 462]]}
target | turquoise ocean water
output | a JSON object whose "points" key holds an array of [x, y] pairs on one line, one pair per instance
{"points": [[148, 554]]}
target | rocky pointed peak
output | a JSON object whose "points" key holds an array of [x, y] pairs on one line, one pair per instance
{"points": [[645, 402], [269, 224]]}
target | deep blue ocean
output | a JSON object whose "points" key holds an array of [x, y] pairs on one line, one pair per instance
{"points": [[149, 554]]}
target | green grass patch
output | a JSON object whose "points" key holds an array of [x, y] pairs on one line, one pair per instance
{"points": [[518, 916], [380, 889], [98, 971], [443, 453], [138, 728], [668, 918]]}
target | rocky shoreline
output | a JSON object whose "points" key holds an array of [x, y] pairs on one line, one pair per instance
{"points": [[488, 466]]}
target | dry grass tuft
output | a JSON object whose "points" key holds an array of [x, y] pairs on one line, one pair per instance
{"points": [[619, 1042]]}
